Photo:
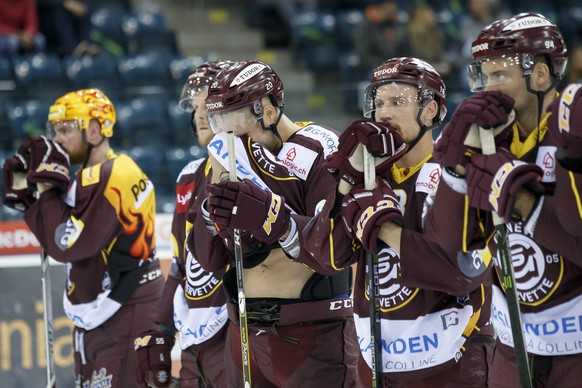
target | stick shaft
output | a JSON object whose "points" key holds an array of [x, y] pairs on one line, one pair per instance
{"points": [[488, 147], [373, 287], [45, 279], [238, 259]]}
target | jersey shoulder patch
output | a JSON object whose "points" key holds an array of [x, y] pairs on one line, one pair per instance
{"points": [[327, 138], [428, 179], [190, 168]]}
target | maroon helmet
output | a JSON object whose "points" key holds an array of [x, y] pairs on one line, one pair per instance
{"points": [[242, 84], [198, 80], [411, 71], [520, 38]]}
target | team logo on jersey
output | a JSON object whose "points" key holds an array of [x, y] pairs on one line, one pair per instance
{"points": [[199, 283], [68, 232], [537, 272], [546, 159], [428, 178], [392, 295], [183, 196]]}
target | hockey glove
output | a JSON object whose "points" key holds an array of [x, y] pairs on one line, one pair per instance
{"points": [[565, 127], [17, 195], [153, 359], [382, 141], [494, 180], [49, 163], [245, 206], [364, 212], [486, 110]]}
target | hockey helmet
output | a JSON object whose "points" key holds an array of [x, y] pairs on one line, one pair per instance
{"points": [[199, 80], [518, 40], [415, 72], [83, 106]]}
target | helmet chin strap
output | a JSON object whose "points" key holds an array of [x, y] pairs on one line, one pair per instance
{"points": [[89, 148], [540, 94], [423, 129], [273, 126]]}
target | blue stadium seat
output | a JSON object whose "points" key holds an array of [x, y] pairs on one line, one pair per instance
{"points": [[179, 156], [347, 20], [143, 121], [147, 31], [313, 40], [180, 123], [98, 71], [107, 31], [40, 74], [144, 70], [27, 117], [7, 78]]}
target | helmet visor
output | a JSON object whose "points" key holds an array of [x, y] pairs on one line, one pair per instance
{"points": [[497, 71], [189, 91], [61, 128], [389, 95], [238, 120]]}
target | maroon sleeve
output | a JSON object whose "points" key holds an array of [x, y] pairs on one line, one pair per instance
{"points": [[209, 250], [325, 246], [568, 202], [452, 224], [550, 233], [443, 272], [166, 309], [50, 213]]}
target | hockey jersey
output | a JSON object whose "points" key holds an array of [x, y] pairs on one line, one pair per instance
{"points": [[429, 306], [546, 256], [104, 230], [193, 301]]}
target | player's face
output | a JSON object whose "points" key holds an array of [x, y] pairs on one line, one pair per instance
{"points": [[396, 104], [240, 121], [200, 116], [68, 135], [505, 76]]}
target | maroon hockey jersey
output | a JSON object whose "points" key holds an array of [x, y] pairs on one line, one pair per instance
{"points": [[431, 300], [104, 231], [546, 256]]}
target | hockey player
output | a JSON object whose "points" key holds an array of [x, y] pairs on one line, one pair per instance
{"points": [[518, 63], [102, 227], [433, 303], [300, 323], [193, 303]]}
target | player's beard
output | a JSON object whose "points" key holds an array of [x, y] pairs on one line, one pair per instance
{"points": [[77, 156]]}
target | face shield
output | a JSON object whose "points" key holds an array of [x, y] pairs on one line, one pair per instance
{"points": [[189, 91], [498, 71], [390, 95], [63, 128], [238, 120]]}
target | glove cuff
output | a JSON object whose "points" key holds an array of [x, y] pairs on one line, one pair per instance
{"points": [[206, 215], [455, 181]]}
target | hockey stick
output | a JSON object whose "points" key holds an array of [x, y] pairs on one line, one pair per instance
{"points": [[242, 308], [488, 146], [45, 279], [373, 286]]}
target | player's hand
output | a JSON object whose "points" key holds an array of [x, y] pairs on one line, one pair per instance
{"points": [[494, 180], [380, 140], [49, 163], [565, 125], [364, 212], [17, 195], [486, 110], [153, 358], [245, 206]]}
